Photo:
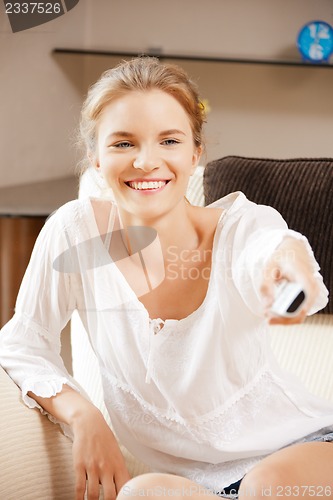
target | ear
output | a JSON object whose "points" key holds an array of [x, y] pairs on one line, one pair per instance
{"points": [[196, 158]]}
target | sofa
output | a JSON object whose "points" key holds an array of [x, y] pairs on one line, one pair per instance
{"points": [[35, 456]]}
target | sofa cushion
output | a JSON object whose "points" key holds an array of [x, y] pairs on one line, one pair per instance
{"points": [[306, 351], [35, 456], [301, 189]]}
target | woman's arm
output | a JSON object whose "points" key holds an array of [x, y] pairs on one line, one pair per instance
{"points": [[30, 352], [264, 251], [96, 455]]}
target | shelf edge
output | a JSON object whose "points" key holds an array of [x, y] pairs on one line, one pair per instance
{"points": [[181, 57]]}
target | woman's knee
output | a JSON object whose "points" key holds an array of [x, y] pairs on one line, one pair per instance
{"points": [[264, 481]]}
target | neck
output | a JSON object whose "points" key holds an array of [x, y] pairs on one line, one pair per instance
{"points": [[184, 234]]}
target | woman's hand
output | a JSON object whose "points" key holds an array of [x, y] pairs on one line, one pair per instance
{"points": [[96, 454], [290, 262], [97, 457]]}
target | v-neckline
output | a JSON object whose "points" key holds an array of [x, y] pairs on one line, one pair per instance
{"points": [[178, 322]]}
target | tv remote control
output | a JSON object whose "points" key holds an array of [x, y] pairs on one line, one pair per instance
{"points": [[288, 300]]}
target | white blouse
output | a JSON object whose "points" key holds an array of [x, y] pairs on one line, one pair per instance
{"points": [[201, 397]]}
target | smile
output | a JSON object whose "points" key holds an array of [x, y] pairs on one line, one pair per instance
{"points": [[146, 185]]}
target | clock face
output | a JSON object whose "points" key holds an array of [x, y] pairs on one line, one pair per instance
{"points": [[315, 41]]}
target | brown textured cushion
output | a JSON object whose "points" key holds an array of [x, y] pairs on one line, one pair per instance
{"points": [[301, 189]]}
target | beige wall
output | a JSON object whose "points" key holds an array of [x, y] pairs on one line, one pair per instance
{"points": [[256, 110], [39, 101]]}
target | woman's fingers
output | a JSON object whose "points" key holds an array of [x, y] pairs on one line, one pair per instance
{"points": [[80, 483], [271, 275], [109, 488], [282, 320], [121, 478], [93, 486], [110, 485], [95, 478]]}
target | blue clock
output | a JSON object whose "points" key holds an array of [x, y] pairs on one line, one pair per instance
{"points": [[315, 41]]}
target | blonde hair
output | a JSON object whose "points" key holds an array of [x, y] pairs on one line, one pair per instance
{"points": [[140, 74]]}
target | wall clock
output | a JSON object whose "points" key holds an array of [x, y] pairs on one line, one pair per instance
{"points": [[315, 41]]}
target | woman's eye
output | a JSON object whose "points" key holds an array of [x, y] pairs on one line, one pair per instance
{"points": [[170, 142], [123, 144]]}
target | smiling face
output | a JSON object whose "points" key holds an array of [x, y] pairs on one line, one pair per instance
{"points": [[146, 152]]}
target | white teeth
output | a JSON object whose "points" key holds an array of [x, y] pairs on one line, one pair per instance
{"points": [[147, 185]]}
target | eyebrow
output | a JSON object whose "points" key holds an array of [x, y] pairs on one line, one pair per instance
{"points": [[119, 133], [123, 133], [172, 131]]}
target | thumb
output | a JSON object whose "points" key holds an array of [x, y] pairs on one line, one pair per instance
{"points": [[271, 275]]}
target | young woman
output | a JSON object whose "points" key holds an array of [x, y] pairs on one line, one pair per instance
{"points": [[176, 300]]}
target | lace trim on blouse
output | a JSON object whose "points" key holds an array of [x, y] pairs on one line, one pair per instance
{"points": [[219, 428], [216, 429]]}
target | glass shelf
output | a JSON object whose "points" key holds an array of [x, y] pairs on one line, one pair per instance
{"points": [[180, 57]]}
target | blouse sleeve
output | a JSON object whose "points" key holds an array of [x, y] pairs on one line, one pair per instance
{"points": [[30, 341], [258, 232]]}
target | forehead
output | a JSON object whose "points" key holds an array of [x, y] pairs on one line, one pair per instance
{"points": [[153, 106]]}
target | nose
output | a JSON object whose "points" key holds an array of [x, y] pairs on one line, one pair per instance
{"points": [[147, 161]]}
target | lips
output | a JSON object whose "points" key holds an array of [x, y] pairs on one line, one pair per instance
{"points": [[145, 185]]}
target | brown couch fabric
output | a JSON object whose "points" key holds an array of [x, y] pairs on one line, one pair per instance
{"points": [[301, 189]]}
